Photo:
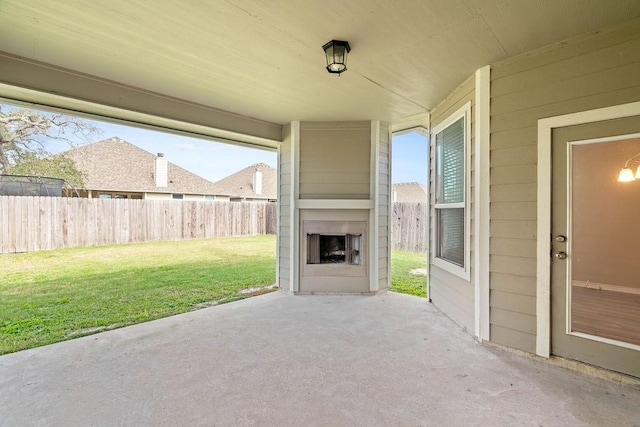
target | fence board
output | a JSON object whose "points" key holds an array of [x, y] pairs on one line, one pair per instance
{"points": [[409, 227], [39, 223]]}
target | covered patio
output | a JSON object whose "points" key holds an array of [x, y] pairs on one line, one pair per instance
{"points": [[279, 359]]}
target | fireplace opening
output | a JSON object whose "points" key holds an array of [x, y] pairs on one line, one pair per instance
{"points": [[334, 249]]}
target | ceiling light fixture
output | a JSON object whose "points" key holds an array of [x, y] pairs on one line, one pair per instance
{"points": [[626, 174], [336, 52]]}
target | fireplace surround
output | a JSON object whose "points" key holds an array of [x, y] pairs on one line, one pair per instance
{"points": [[334, 207], [333, 255]]}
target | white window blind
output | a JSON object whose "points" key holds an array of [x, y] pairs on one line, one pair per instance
{"points": [[450, 193]]}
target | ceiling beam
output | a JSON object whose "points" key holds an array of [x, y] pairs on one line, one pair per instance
{"points": [[28, 81]]}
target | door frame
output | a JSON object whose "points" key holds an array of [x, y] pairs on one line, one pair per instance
{"points": [[543, 253]]}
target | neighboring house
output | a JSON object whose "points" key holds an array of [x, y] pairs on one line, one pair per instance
{"points": [[117, 169], [256, 183], [412, 192]]}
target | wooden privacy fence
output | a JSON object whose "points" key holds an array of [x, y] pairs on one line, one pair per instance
{"points": [[39, 223], [410, 225]]}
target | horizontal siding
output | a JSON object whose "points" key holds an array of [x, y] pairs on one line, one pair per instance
{"points": [[383, 206], [524, 304], [511, 264], [285, 168], [512, 337], [513, 193], [513, 283], [514, 211], [451, 294], [335, 160], [586, 73], [514, 138], [525, 248], [580, 47], [518, 321], [514, 174], [524, 118], [564, 87], [517, 229], [454, 101]]}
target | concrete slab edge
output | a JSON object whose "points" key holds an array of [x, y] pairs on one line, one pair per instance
{"points": [[573, 365]]}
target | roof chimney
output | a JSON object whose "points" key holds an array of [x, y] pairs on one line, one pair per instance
{"points": [[162, 173], [257, 182]]}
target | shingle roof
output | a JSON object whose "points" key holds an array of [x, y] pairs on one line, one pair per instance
{"points": [[240, 184], [410, 192], [117, 165]]}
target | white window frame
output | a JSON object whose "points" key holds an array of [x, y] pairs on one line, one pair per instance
{"points": [[463, 272]]}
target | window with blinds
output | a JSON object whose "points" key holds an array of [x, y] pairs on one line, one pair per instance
{"points": [[450, 197]]}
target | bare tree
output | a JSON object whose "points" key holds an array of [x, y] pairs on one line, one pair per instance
{"points": [[25, 132]]}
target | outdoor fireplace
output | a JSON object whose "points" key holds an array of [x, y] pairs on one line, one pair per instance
{"points": [[334, 207]]}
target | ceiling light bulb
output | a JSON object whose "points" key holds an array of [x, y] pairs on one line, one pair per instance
{"points": [[626, 175], [638, 173]]}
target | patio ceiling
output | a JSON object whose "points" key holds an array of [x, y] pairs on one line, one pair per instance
{"points": [[263, 59]]}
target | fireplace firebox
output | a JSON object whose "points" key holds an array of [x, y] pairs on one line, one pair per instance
{"points": [[334, 255], [334, 249]]}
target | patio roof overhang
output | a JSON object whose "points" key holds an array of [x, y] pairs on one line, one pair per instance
{"points": [[241, 69]]}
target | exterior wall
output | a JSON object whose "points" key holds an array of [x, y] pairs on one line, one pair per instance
{"points": [[383, 203], [95, 194], [251, 200], [285, 210], [196, 197], [157, 196], [585, 73], [335, 160], [452, 294]]}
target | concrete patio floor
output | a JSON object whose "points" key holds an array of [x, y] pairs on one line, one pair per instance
{"points": [[279, 359]]}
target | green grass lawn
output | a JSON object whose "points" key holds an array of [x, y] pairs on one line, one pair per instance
{"points": [[402, 278], [52, 296]]}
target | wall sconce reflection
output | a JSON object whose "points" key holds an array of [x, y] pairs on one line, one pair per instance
{"points": [[626, 174]]}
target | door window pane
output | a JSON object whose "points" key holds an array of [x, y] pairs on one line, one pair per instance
{"points": [[605, 246]]}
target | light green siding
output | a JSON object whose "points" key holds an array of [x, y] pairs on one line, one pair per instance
{"points": [[285, 200], [383, 206], [335, 160], [584, 73], [452, 294]]}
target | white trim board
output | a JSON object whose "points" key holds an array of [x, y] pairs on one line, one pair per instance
{"points": [[482, 205], [543, 270], [416, 123], [374, 182], [294, 212]]}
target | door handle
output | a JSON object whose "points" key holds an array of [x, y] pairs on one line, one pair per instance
{"points": [[561, 255]]}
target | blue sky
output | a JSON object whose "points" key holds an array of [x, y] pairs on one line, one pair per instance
{"points": [[216, 160], [409, 158]]}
